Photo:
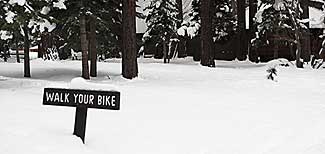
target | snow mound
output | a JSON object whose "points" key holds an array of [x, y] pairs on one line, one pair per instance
{"points": [[80, 83], [280, 62]]}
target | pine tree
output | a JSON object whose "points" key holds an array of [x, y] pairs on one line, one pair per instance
{"points": [[282, 18], [129, 54], [207, 58], [223, 20], [224, 24], [28, 16], [103, 21], [161, 21], [241, 18], [182, 39]]}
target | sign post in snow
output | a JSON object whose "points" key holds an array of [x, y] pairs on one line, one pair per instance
{"points": [[82, 100]]}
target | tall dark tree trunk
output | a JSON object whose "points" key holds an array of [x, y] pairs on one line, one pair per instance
{"points": [[180, 12], [26, 51], [276, 45], [306, 53], [129, 50], [84, 47], [93, 43], [206, 34], [298, 35], [241, 51], [181, 43], [165, 52], [253, 55], [17, 50], [234, 6], [40, 51]]}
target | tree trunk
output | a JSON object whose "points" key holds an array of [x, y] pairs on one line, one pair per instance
{"points": [[181, 43], [180, 12], [26, 51], [299, 63], [241, 51], [206, 34], [84, 47], [129, 52], [234, 7], [93, 43], [253, 55], [165, 51], [17, 51], [306, 53], [276, 45]]}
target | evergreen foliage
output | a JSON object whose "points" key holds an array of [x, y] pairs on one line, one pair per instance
{"points": [[224, 24], [161, 21]]}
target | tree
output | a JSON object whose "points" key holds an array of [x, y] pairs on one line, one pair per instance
{"points": [[224, 25], [129, 52], [181, 44], [28, 16], [84, 46], [92, 44], [283, 18], [241, 51], [161, 21], [253, 55], [207, 58]]}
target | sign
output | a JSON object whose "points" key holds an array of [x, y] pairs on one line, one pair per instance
{"points": [[86, 98], [82, 100]]}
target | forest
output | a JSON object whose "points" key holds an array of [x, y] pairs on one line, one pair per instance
{"points": [[162, 76], [254, 30]]}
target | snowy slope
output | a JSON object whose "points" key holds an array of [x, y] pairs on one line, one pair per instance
{"points": [[177, 108]]}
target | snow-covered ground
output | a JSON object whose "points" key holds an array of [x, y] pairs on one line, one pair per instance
{"points": [[177, 108]]}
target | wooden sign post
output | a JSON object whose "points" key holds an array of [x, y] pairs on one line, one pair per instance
{"points": [[82, 100]]}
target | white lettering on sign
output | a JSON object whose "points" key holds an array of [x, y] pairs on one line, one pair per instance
{"points": [[49, 96], [91, 99], [75, 97], [84, 98], [66, 97], [106, 100], [57, 97], [113, 100], [99, 100]]}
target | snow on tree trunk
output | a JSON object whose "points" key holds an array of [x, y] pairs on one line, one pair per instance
{"points": [[206, 34], [129, 52], [84, 47]]}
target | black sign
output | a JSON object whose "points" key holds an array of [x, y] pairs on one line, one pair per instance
{"points": [[82, 100], [85, 98]]}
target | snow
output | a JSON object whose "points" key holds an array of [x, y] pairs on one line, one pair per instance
{"points": [[182, 31], [262, 8], [19, 2], [173, 108], [5, 35], [45, 10], [10, 16], [42, 24], [80, 83], [59, 4], [316, 18]]}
